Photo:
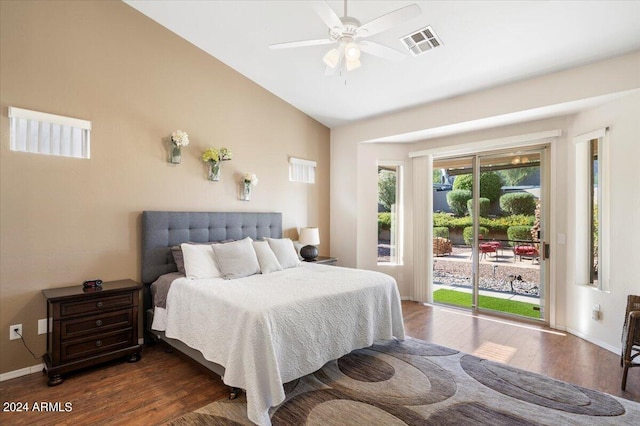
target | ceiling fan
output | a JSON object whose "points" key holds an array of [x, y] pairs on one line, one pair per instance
{"points": [[349, 35]]}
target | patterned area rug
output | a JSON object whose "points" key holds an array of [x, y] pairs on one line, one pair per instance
{"points": [[418, 383]]}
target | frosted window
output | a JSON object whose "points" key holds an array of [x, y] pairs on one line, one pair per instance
{"points": [[42, 133], [302, 170]]}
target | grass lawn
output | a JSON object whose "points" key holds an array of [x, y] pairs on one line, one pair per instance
{"points": [[459, 298]]}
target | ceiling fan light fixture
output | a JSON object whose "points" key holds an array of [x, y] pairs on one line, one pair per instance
{"points": [[352, 51], [347, 32], [331, 58], [352, 64]]}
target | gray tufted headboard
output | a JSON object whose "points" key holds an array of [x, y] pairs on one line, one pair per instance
{"points": [[162, 230]]}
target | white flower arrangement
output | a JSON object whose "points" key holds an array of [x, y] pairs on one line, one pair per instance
{"points": [[180, 138], [250, 178]]}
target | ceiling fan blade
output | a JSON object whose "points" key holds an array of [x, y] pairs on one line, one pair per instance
{"points": [[301, 43], [327, 14], [380, 50], [389, 20]]}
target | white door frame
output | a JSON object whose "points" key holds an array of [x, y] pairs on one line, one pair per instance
{"points": [[423, 271]]}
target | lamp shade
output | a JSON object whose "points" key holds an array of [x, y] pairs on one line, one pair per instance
{"points": [[309, 236]]}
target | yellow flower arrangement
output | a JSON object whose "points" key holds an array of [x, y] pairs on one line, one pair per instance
{"points": [[215, 155]]}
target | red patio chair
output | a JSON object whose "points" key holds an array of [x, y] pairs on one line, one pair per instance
{"points": [[528, 251]]}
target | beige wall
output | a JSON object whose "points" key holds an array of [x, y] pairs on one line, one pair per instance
{"points": [[65, 220]]}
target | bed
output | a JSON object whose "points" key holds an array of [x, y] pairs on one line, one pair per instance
{"points": [[261, 330]]}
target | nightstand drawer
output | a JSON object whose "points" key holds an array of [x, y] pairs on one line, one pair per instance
{"points": [[91, 327], [96, 324], [94, 345], [96, 305]]}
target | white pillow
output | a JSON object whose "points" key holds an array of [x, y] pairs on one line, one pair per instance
{"points": [[266, 257], [237, 259], [199, 261], [298, 247], [285, 252]]}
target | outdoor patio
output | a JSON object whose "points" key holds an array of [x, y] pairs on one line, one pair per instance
{"points": [[502, 274]]}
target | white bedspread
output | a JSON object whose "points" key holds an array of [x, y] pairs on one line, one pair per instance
{"points": [[267, 330]]}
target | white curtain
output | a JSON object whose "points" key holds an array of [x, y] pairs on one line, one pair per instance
{"points": [[423, 229]]}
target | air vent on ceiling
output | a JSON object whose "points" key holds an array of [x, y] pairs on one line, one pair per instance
{"points": [[421, 41]]}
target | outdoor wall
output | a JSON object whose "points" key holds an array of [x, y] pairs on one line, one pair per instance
{"points": [[65, 220]]}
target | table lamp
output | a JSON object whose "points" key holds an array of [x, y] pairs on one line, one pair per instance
{"points": [[309, 238]]}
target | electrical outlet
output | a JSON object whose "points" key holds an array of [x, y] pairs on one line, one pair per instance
{"points": [[42, 326], [12, 331], [595, 313]]}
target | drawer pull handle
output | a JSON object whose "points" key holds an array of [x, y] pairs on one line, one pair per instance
{"points": [[99, 304], [99, 323], [99, 343]]}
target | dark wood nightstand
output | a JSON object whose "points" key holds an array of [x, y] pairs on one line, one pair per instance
{"points": [[91, 327], [324, 260]]}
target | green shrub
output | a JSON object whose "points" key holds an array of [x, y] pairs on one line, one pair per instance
{"points": [[447, 220], [503, 223], [441, 231], [494, 224], [519, 233], [386, 188], [467, 234], [490, 184], [595, 231], [484, 207], [518, 203], [384, 221], [457, 200]]}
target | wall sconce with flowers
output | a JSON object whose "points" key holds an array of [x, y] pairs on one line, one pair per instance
{"points": [[215, 156], [248, 180], [178, 140]]}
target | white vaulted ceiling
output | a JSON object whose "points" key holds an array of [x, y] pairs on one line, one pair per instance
{"points": [[485, 44]]}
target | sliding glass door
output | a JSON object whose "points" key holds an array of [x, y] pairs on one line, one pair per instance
{"points": [[489, 232]]}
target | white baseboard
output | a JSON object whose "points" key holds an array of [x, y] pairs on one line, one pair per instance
{"points": [[592, 340], [35, 369], [22, 372]]}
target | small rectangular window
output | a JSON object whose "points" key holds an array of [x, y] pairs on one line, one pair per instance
{"points": [[389, 213], [592, 210], [302, 170], [49, 134]]}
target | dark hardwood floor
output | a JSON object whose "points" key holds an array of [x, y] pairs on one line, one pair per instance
{"points": [[163, 386]]}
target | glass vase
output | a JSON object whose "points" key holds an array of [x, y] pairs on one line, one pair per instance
{"points": [[214, 171], [246, 191], [175, 154]]}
